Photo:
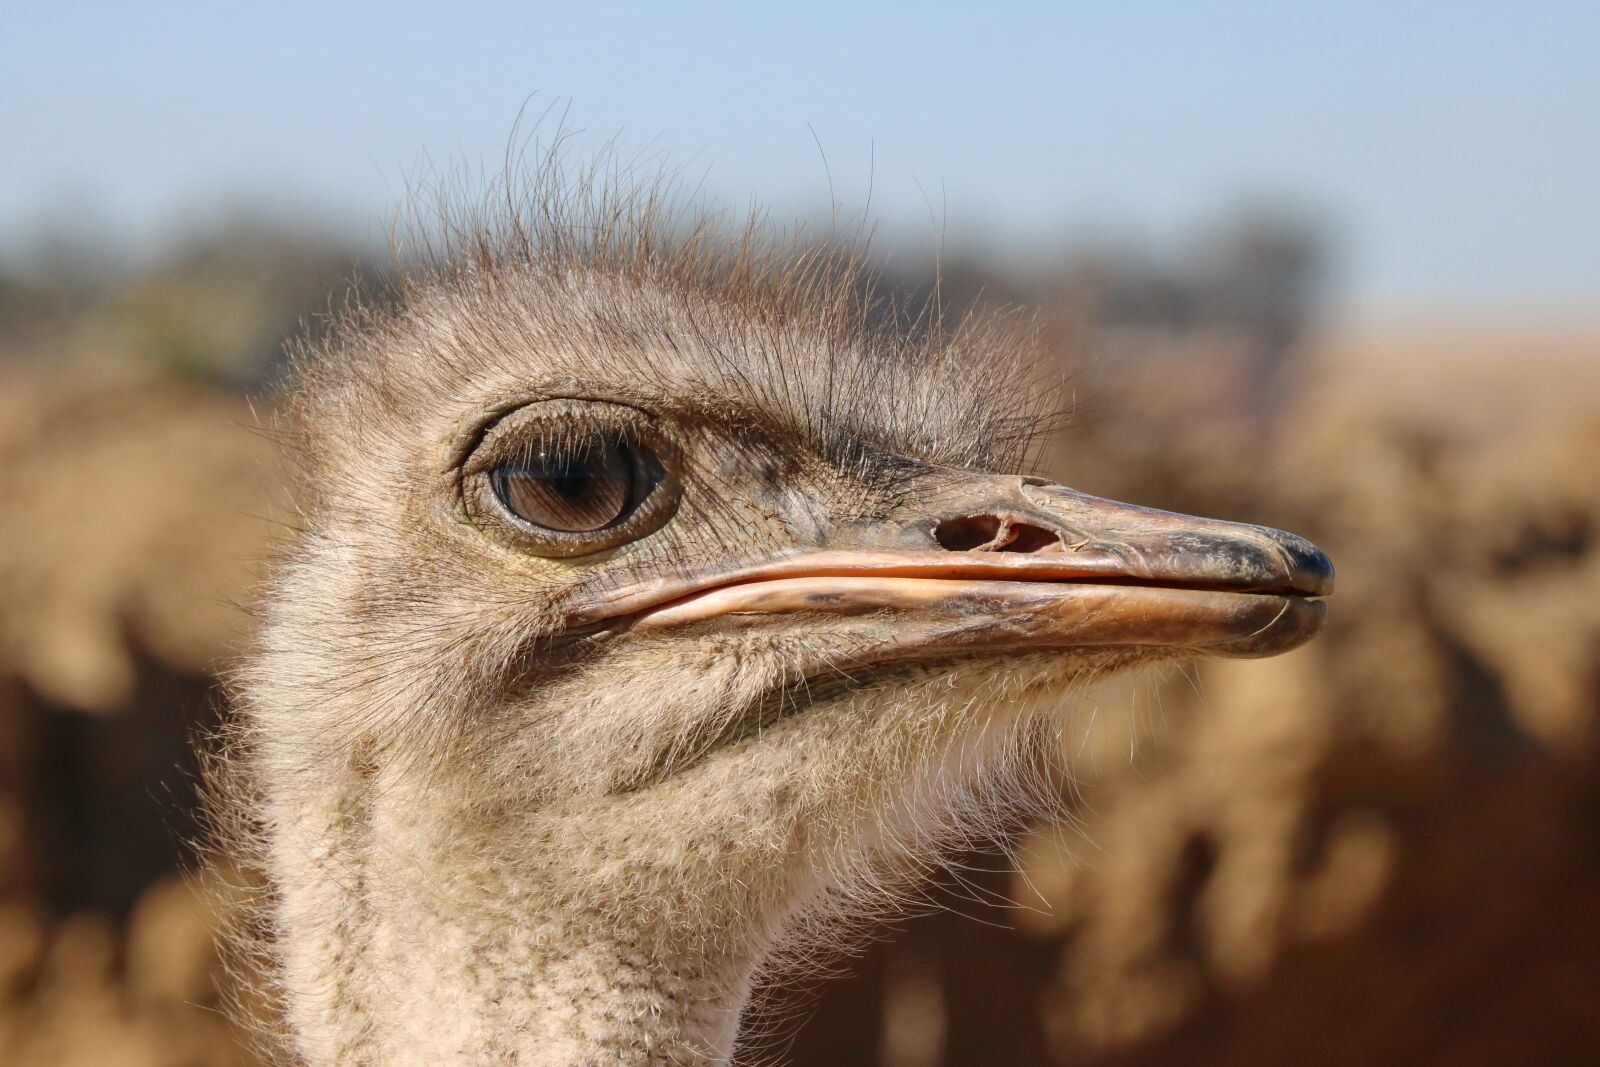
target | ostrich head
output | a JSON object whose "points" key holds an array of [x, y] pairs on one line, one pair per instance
{"points": [[651, 601]]}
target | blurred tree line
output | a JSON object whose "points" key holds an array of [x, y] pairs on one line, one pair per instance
{"points": [[217, 306]]}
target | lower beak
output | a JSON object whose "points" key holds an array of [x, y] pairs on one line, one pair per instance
{"points": [[995, 564]]}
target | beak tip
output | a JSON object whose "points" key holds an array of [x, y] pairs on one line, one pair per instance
{"points": [[1298, 623], [1310, 568]]}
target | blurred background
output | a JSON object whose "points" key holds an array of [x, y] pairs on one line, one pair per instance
{"points": [[1336, 270]]}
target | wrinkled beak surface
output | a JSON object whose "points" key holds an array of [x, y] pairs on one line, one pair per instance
{"points": [[985, 563]]}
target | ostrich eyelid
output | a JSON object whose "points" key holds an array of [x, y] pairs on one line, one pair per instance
{"points": [[484, 421]]}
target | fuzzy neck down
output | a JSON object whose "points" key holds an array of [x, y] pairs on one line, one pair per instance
{"points": [[400, 955]]}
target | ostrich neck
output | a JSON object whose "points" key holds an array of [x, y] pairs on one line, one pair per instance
{"points": [[386, 961]]}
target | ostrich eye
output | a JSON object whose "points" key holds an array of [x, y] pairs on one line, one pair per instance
{"points": [[578, 490], [569, 478]]}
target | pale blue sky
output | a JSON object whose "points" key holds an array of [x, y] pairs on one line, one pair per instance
{"points": [[1456, 146]]}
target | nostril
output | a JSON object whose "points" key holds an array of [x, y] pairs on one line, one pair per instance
{"points": [[970, 533], [992, 533], [1029, 538]]}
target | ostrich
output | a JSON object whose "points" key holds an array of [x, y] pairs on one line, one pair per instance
{"points": [[658, 603]]}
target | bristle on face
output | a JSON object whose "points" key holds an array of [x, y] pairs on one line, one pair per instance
{"points": [[614, 293]]}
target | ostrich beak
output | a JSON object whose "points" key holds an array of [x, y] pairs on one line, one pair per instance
{"points": [[982, 563]]}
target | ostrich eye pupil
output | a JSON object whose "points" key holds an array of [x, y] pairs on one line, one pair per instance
{"points": [[577, 490]]}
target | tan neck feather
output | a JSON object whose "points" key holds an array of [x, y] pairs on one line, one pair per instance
{"points": [[387, 961]]}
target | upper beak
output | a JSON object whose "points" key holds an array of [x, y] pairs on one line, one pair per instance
{"points": [[982, 562]]}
